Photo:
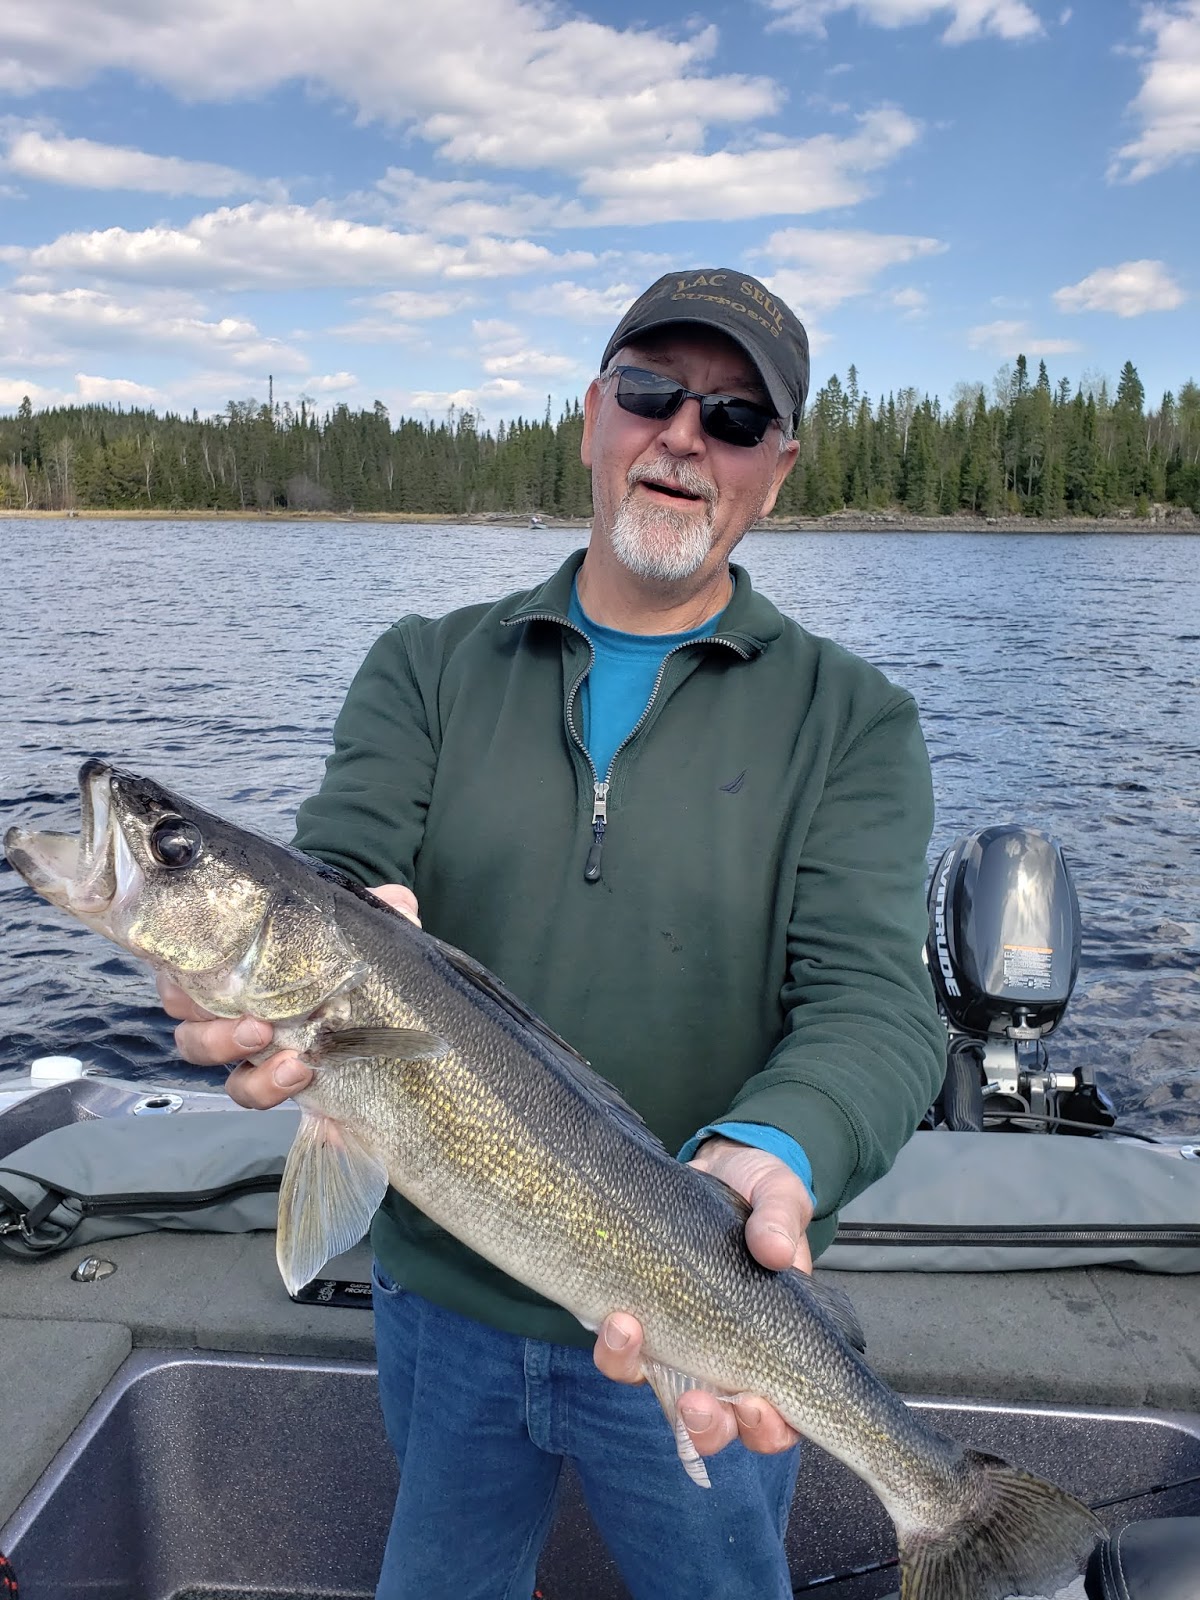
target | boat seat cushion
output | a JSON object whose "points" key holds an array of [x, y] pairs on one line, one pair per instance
{"points": [[1157, 1560]]}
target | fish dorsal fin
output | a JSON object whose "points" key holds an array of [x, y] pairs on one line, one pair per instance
{"points": [[839, 1308], [585, 1078], [331, 1188]]}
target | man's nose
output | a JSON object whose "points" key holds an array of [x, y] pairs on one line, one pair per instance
{"points": [[682, 433]]}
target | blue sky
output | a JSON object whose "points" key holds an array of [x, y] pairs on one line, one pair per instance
{"points": [[453, 203]]}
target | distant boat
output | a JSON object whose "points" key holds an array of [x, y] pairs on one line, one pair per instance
{"points": [[535, 521]]}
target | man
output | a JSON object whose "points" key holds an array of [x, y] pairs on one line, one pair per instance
{"points": [[692, 837]]}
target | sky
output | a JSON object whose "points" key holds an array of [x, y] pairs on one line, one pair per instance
{"points": [[451, 203]]}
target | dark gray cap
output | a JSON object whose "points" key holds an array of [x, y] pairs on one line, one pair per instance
{"points": [[721, 297]]}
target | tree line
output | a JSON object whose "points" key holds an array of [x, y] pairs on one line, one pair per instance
{"points": [[1031, 449]]}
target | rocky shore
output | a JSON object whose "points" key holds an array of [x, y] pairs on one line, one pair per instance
{"points": [[1159, 519]]}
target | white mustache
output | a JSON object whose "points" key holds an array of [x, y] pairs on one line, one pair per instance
{"points": [[677, 474]]}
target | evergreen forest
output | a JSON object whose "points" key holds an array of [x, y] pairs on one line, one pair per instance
{"points": [[1030, 448]]}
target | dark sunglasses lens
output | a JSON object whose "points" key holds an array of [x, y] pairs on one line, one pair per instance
{"points": [[645, 394], [724, 417], [734, 421]]}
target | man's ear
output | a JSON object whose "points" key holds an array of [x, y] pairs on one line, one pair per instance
{"points": [[591, 404], [787, 460]]}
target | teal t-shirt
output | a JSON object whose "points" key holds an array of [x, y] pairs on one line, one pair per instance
{"points": [[613, 697], [615, 692]]}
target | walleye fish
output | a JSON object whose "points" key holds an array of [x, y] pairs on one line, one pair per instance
{"points": [[432, 1077]]}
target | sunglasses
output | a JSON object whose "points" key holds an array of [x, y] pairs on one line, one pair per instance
{"points": [[726, 417]]}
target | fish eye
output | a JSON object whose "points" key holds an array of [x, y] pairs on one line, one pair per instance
{"points": [[175, 843]]}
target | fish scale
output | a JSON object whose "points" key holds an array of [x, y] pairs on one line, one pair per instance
{"points": [[431, 1077]]}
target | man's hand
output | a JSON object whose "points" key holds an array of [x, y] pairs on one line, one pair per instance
{"points": [[775, 1237], [208, 1041]]}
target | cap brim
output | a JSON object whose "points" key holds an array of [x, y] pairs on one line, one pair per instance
{"points": [[778, 392]]}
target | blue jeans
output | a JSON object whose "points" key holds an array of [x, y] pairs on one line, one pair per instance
{"points": [[481, 1422]]}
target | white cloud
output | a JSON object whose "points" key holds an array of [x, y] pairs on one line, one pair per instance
{"points": [[1129, 290], [814, 269], [580, 302], [400, 315], [969, 19], [14, 390], [495, 331], [87, 390], [462, 208], [110, 391], [506, 391], [779, 179], [501, 82], [66, 321], [330, 383], [911, 301], [503, 351], [84, 164], [530, 364], [1168, 103], [413, 303], [266, 246], [1014, 338]]}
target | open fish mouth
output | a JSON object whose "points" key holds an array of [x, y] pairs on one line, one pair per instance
{"points": [[90, 874]]}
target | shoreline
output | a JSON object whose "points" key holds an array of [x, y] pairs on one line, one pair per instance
{"points": [[1162, 519]]}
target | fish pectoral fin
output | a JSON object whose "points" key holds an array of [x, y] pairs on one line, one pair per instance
{"points": [[359, 1044], [669, 1384], [331, 1188]]}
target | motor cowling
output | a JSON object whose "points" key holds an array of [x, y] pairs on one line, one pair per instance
{"points": [[1004, 933]]}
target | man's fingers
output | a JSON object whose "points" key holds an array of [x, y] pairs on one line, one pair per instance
{"points": [[781, 1206], [712, 1424], [773, 1231], [618, 1352], [208, 1041], [760, 1426], [400, 899], [218, 1041], [268, 1084], [177, 1004]]}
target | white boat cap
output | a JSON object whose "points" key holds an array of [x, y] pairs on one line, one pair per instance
{"points": [[55, 1069]]}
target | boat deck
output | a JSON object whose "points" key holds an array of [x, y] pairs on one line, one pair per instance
{"points": [[1085, 1337]]}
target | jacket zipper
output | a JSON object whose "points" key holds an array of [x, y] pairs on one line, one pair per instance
{"points": [[1046, 1236], [600, 786]]}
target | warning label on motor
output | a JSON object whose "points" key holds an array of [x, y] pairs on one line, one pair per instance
{"points": [[1027, 966]]}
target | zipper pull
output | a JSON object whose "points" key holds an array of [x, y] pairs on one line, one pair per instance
{"points": [[591, 870]]}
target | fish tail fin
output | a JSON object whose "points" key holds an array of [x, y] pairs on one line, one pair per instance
{"points": [[1018, 1536]]}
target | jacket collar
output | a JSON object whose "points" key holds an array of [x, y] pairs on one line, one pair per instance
{"points": [[749, 621]]}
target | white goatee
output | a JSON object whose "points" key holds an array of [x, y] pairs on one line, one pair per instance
{"points": [[657, 541]]}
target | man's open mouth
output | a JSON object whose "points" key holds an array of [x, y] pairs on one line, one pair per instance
{"points": [[672, 489]]}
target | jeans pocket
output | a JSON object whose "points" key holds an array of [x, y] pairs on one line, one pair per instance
{"points": [[382, 1284]]}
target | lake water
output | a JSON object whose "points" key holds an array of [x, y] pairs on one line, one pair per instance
{"points": [[1058, 678]]}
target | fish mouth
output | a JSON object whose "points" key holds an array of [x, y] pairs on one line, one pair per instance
{"points": [[93, 875]]}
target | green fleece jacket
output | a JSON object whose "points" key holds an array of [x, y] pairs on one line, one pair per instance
{"points": [[751, 948]]}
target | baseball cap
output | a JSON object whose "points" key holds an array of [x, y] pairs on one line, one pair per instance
{"points": [[721, 297]]}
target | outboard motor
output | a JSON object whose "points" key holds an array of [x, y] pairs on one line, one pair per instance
{"points": [[1003, 951]]}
